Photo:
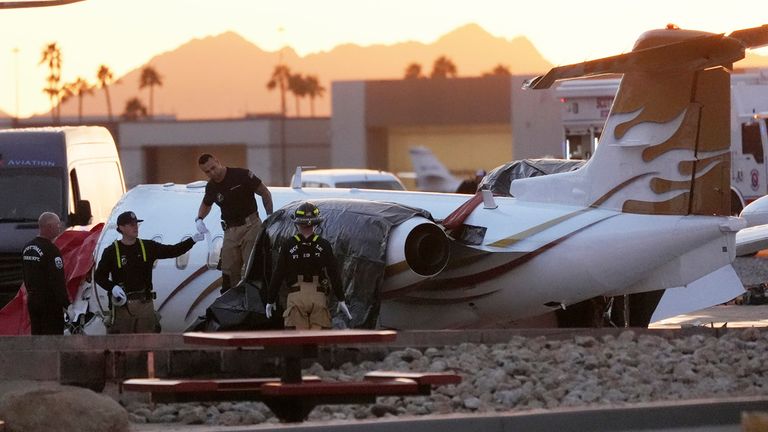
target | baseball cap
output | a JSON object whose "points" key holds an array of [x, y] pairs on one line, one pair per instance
{"points": [[128, 217]]}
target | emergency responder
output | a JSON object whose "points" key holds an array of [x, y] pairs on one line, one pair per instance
{"points": [[307, 266], [232, 190], [43, 272], [125, 270]]}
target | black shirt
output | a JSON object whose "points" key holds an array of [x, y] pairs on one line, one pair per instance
{"points": [[308, 257], [43, 271], [234, 194], [134, 272]]}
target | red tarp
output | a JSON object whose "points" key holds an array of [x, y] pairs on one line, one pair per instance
{"points": [[77, 253]]}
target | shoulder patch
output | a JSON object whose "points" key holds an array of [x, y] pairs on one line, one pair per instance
{"points": [[59, 263]]}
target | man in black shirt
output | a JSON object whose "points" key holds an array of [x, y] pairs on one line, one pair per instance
{"points": [[125, 270], [232, 190], [43, 271], [307, 266]]}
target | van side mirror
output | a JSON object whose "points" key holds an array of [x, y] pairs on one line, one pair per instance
{"points": [[82, 215]]}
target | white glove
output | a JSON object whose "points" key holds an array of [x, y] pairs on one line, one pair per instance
{"points": [[269, 309], [118, 296], [198, 237], [201, 228], [343, 307]]}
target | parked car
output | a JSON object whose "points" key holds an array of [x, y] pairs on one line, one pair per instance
{"points": [[349, 178]]}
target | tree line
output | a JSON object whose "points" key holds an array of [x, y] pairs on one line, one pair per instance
{"points": [[59, 92], [444, 67], [282, 79], [300, 85]]}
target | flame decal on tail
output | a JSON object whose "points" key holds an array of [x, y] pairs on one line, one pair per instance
{"points": [[665, 148]]}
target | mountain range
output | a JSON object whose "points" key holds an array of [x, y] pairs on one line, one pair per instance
{"points": [[225, 76]]}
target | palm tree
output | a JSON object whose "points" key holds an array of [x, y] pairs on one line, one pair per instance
{"points": [[52, 58], [79, 87], [134, 109], [150, 78], [106, 78], [413, 71], [280, 76], [298, 86], [314, 89], [443, 68], [499, 70]]}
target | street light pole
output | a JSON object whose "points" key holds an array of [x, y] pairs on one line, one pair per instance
{"points": [[283, 150], [16, 58]]}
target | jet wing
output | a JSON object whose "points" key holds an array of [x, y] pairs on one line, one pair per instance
{"points": [[751, 240], [717, 287]]}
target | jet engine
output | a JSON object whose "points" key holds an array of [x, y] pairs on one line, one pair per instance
{"points": [[417, 249]]}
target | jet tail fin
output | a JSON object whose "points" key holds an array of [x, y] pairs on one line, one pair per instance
{"points": [[665, 145], [431, 174]]}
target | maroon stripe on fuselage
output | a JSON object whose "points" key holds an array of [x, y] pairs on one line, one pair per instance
{"points": [[183, 285]]}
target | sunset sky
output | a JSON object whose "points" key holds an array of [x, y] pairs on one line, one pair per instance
{"points": [[125, 34]]}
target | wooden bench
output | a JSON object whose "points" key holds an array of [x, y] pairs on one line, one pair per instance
{"points": [[422, 378], [293, 402], [169, 390]]}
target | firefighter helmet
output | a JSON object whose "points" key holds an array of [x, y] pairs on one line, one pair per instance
{"points": [[307, 214]]}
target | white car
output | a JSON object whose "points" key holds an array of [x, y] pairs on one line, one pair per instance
{"points": [[350, 178]]}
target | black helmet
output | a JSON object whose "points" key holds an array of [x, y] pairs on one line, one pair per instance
{"points": [[307, 214]]}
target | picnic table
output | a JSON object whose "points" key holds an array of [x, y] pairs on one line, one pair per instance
{"points": [[293, 396]]}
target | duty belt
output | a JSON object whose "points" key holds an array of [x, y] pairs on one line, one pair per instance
{"points": [[312, 282], [237, 222], [297, 288], [141, 295]]}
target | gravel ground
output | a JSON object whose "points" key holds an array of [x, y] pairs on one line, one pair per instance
{"points": [[530, 373], [751, 270]]}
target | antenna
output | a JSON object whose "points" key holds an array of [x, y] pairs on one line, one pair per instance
{"points": [[296, 182]]}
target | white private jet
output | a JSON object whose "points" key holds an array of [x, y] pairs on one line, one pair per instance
{"points": [[649, 211]]}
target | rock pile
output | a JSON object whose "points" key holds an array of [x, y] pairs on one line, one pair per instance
{"points": [[529, 373]]}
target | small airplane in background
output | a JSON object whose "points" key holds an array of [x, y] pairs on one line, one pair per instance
{"points": [[431, 175], [648, 214]]}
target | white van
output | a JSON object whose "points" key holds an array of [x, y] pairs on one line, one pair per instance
{"points": [[72, 171], [349, 178]]}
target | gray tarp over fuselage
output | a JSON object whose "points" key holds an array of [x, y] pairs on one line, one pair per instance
{"points": [[500, 178], [357, 229]]}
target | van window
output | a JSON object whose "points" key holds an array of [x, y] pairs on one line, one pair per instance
{"points": [[99, 183], [750, 141], [372, 184], [25, 193]]}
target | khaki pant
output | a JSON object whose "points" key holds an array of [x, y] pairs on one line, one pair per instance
{"points": [[237, 246], [307, 308], [137, 316]]}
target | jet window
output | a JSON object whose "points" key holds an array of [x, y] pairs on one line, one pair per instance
{"points": [[183, 260], [215, 252], [158, 238]]}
